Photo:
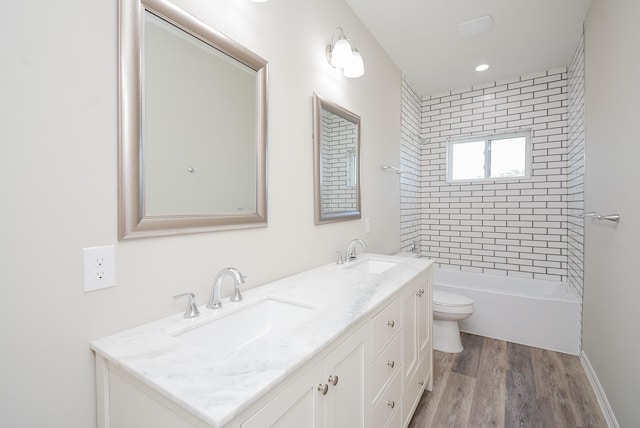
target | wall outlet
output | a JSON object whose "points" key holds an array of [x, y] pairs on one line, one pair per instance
{"points": [[367, 225], [99, 267]]}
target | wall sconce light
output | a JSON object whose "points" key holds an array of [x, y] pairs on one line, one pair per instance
{"points": [[340, 54]]}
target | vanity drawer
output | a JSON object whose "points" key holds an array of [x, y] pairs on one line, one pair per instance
{"points": [[385, 324], [386, 365], [390, 402]]}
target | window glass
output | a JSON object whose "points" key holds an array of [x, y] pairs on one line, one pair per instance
{"points": [[501, 156], [508, 157], [468, 160]]}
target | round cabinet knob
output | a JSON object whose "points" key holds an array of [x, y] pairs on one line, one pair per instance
{"points": [[391, 323], [420, 382], [391, 404], [333, 380], [391, 363], [323, 388]]}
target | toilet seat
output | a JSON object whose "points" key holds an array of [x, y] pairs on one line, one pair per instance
{"points": [[446, 302], [445, 298]]}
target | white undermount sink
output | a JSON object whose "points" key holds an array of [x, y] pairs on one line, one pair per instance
{"points": [[374, 265], [244, 325]]}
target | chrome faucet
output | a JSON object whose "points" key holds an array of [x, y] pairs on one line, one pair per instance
{"points": [[214, 301], [351, 249]]}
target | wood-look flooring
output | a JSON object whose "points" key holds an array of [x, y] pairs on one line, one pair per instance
{"points": [[493, 383]]}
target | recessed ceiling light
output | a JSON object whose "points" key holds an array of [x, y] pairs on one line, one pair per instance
{"points": [[482, 67]]}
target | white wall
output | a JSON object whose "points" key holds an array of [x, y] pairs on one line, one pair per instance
{"points": [[58, 175], [612, 173]]}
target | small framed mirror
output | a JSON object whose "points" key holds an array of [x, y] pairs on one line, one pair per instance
{"points": [[192, 124], [336, 156]]}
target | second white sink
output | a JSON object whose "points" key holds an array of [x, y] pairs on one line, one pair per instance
{"points": [[244, 325], [374, 265]]}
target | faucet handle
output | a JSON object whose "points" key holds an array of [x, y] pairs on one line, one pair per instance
{"points": [[192, 309], [236, 296], [339, 259]]}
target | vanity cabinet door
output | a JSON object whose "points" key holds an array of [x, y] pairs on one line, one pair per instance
{"points": [[417, 361], [299, 405], [348, 402]]}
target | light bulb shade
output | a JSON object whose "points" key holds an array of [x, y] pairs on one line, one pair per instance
{"points": [[341, 53], [355, 67]]}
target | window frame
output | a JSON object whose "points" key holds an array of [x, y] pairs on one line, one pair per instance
{"points": [[487, 139]]}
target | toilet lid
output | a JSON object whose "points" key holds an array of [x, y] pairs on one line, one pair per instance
{"points": [[445, 298]]}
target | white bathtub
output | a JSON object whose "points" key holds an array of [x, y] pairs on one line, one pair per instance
{"points": [[531, 312]]}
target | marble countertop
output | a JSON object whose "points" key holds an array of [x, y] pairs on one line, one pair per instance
{"points": [[217, 387]]}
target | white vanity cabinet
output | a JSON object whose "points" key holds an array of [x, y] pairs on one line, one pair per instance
{"points": [[368, 371], [332, 393]]}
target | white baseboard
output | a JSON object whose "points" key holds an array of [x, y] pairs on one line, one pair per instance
{"points": [[609, 417]]}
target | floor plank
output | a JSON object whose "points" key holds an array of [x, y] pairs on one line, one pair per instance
{"points": [[551, 389], [428, 404], [467, 362], [490, 385], [455, 404], [581, 396], [493, 383], [521, 407]]}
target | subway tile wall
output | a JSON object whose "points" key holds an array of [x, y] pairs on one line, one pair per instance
{"points": [[410, 161], [575, 172], [510, 227], [338, 139]]}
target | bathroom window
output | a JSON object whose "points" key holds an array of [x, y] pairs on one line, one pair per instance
{"points": [[489, 158]]}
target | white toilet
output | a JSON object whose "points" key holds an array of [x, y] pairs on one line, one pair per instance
{"points": [[448, 309]]}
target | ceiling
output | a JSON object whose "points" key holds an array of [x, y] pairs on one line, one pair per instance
{"points": [[422, 37]]}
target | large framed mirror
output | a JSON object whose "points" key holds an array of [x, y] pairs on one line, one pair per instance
{"points": [[336, 141], [192, 124]]}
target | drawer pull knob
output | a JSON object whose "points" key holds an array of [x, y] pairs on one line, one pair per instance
{"points": [[323, 388], [391, 363], [420, 292], [333, 380], [420, 382], [391, 404], [391, 323]]}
